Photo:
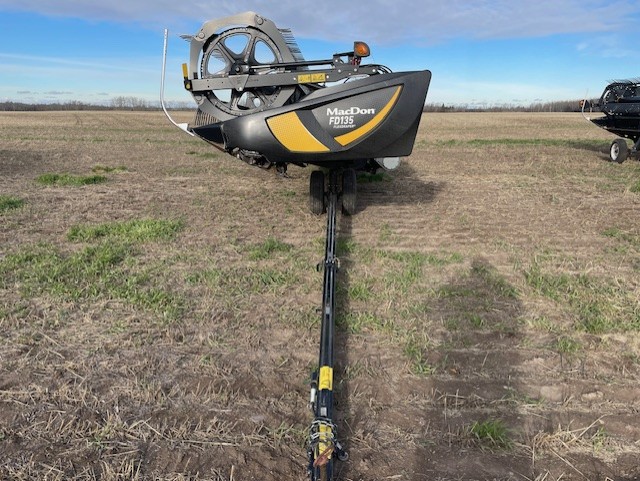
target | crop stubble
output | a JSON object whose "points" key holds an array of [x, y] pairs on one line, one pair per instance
{"points": [[491, 281]]}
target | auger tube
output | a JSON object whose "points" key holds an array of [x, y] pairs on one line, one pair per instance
{"points": [[324, 446]]}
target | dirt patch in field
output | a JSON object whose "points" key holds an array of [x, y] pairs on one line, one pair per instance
{"points": [[488, 309]]}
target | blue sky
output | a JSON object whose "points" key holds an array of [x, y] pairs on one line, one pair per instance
{"points": [[481, 52]]}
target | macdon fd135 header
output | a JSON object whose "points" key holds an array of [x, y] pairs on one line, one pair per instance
{"points": [[261, 101]]}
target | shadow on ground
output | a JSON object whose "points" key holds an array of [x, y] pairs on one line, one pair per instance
{"points": [[475, 381], [400, 187]]}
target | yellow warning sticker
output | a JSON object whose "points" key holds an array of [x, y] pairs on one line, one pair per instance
{"points": [[312, 78], [326, 378]]}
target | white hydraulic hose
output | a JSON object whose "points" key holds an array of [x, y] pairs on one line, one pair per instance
{"points": [[182, 126]]}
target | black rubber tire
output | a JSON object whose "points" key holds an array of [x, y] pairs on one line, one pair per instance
{"points": [[316, 192], [619, 150], [349, 191]]}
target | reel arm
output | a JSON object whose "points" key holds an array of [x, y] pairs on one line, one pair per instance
{"points": [[293, 78]]}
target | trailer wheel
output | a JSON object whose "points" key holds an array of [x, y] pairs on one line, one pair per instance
{"points": [[619, 150], [349, 190], [316, 192]]}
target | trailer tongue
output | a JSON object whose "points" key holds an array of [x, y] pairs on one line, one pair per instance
{"points": [[323, 445]]}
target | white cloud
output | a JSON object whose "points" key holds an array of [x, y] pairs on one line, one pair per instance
{"points": [[49, 77], [380, 21], [383, 23], [613, 45], [18, 61], [454, 90]]}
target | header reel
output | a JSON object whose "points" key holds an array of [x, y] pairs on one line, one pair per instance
{"points": [[222, 58], [245, 64]]}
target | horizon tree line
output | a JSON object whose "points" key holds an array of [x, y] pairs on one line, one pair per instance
{"points": [[136, 103]]}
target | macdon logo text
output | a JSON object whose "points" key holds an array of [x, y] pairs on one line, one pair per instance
{"points": [[350, 111]]}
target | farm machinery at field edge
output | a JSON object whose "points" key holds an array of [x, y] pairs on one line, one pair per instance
{"points": [[620, 104], [259, 100]]}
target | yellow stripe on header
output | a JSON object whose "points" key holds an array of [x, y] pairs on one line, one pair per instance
{"points": [[326, 378], [291, 132], [372, 124]]}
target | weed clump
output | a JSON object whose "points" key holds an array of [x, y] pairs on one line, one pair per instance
{"points": [[492, 433], [134, 231], [8, 203], [106, 169], [265, 249], [65, 180]]}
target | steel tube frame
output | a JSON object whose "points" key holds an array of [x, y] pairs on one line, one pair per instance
{"points": [[323, 444]]}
